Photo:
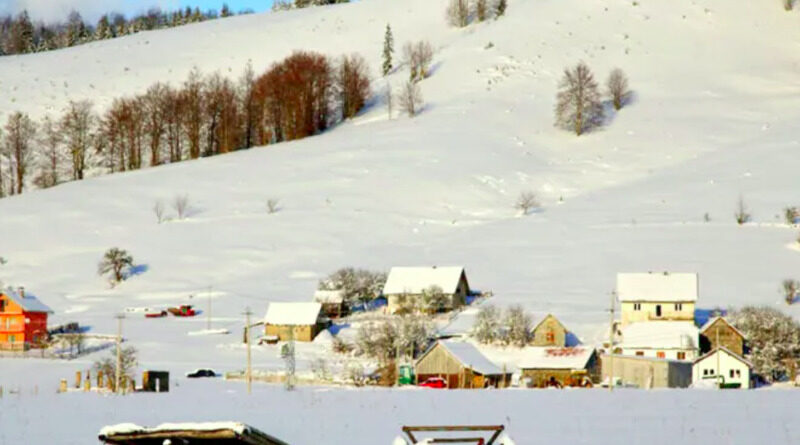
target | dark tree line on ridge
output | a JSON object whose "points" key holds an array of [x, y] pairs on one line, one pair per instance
{"points": [[204, 116]]}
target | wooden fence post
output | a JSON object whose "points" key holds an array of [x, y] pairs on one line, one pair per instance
{"points": [[78, 379], [62, 387]]}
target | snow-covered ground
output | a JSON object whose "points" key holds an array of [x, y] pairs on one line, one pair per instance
{"points": [[715, 116]]}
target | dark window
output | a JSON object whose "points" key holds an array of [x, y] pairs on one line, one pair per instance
{"points": [[640, 353], [658, 310], [678, 306], [661, 354], [2, 304], [681, 356], [637, 306], [731, 373]]}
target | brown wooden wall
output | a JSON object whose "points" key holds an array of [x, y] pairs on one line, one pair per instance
{"points": [[304, 333], [728, 337]]}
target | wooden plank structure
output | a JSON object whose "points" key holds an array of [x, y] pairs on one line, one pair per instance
{"points": [[222, 433], [493, 430]]}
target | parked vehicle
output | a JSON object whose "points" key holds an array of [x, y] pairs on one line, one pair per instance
{"points": [[155, 314], [184, 310], [434, 382], [202, 372]]}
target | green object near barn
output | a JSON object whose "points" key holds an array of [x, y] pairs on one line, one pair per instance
{"points": [[405, 375]]}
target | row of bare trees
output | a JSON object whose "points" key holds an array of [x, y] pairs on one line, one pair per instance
{"points": [[204, 116]]}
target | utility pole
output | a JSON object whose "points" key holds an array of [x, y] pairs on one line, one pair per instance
{"points": [[611, 345], [208, 323], [249, 372], [719, 377], [118, 376]]}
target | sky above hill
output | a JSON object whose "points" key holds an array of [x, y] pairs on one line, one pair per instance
{"points": [[91, 10]]}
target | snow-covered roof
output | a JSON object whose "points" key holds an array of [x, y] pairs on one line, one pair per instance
{"points": [[28, 303], [555, 358], [471, 357], [414, 280], [329, 296], [129, 432], [296, 314], [660, 335], [713, 320], [661, 286], [711, 353]]}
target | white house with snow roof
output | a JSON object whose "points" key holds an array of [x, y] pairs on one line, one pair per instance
{"points": [[673, 340], [411, 282], [293, 321], [661, 296], [724, 367]]}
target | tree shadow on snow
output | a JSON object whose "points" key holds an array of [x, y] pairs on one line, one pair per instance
{"points": [[136, 270], [334, 329]]}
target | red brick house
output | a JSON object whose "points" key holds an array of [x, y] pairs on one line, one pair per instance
{"points": [[23, 320]]}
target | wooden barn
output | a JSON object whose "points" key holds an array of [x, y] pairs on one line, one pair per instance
{"points": [[550, 332], [719, 333], [543, 367], [23, 320], [332, 302], [410, 282], [293, 321], [207, 433], [462, 365]]}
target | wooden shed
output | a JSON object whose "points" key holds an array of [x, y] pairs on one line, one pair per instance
{"points": [[559, 367], [718, 328], [293, 321], [217, 433], [332, 301], [461, 364], [550, 332], [410, 282]]}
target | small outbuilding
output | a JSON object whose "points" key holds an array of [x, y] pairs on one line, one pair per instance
{"points": [[461, 364], [207, 433], [332, 302], [719, 333], [411, 282], [646, 372], [543, 367], [550, 332], [293, 321], [723, 367]]}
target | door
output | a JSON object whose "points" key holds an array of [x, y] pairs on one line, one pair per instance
{"points": [[658, 310]]}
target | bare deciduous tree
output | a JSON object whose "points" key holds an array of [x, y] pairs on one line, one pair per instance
{"points": [[181, 205], [418, 56], [578, 105], [790, 289], [115, 262], [49, 154], [742, 215], [158, 210], [526, 202], [352, 82], [272, 205], [458, 13], [20, 135], [77, 127], [108, 365], [410, 99], [518, 326], [617, 85], [481, 10]]}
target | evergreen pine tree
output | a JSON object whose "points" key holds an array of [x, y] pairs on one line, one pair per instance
{"points": [[103, 29], [388, 49], [500, 7]]}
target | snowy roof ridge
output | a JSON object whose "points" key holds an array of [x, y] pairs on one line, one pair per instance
{"points": [[713, 320], [293, 314], [470, 356], [28, 303], [660, 286], [660, 335], [723, 348], [329, 296], [548, 357], [414, 280]]}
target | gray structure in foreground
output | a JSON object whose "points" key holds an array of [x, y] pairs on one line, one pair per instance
{"points": [[648, 372]]}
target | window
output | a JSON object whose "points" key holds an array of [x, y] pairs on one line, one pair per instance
{"points": [[738, 373], [8, 324], [12, 338], [551, 337], [640, 353], [681, 356], [678, 307], [705, 372], [2, 305], [661, 354], [658, 310], [710, 371], [732, 373], [637, 306]]}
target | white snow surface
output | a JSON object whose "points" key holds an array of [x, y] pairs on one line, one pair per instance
{"points": [[714, 116], [660, 335], [658, 286], [293, 314]]}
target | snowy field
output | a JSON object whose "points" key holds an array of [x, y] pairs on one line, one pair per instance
{"points": [[715, 116]]}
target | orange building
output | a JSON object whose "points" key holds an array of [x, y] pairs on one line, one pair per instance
{"points": [[23, 320]]}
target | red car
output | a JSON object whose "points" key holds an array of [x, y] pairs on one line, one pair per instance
{"points": [[182, 311], [434, 382]]}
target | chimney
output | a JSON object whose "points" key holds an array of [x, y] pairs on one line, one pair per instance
{"points": [[21, 291]]}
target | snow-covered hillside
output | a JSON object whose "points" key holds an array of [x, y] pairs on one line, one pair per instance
{"points": [[715, 116]]}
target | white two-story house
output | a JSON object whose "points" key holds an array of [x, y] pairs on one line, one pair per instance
{"points": [[661, 296]]}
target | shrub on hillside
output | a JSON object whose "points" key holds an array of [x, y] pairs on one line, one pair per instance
{"points": [[773, 339], [360, 286]]}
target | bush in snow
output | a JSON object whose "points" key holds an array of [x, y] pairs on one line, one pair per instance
{"points": [[181, 205], [352, 81], [578, 106], [432, 300], [790, 289], [385, 339], [410, 98], [158, 210], [358, 285], [108, 365], [115, 262], [354, 373], [481, 10], [500, 7], [458, 13], [320, 369], [518, 326], [788, 4], [772, 337], [526, 202], [418, 56], [792, 215], [272, 205], [617, 85], [340, 346], [742, 215], [487, 324]]}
